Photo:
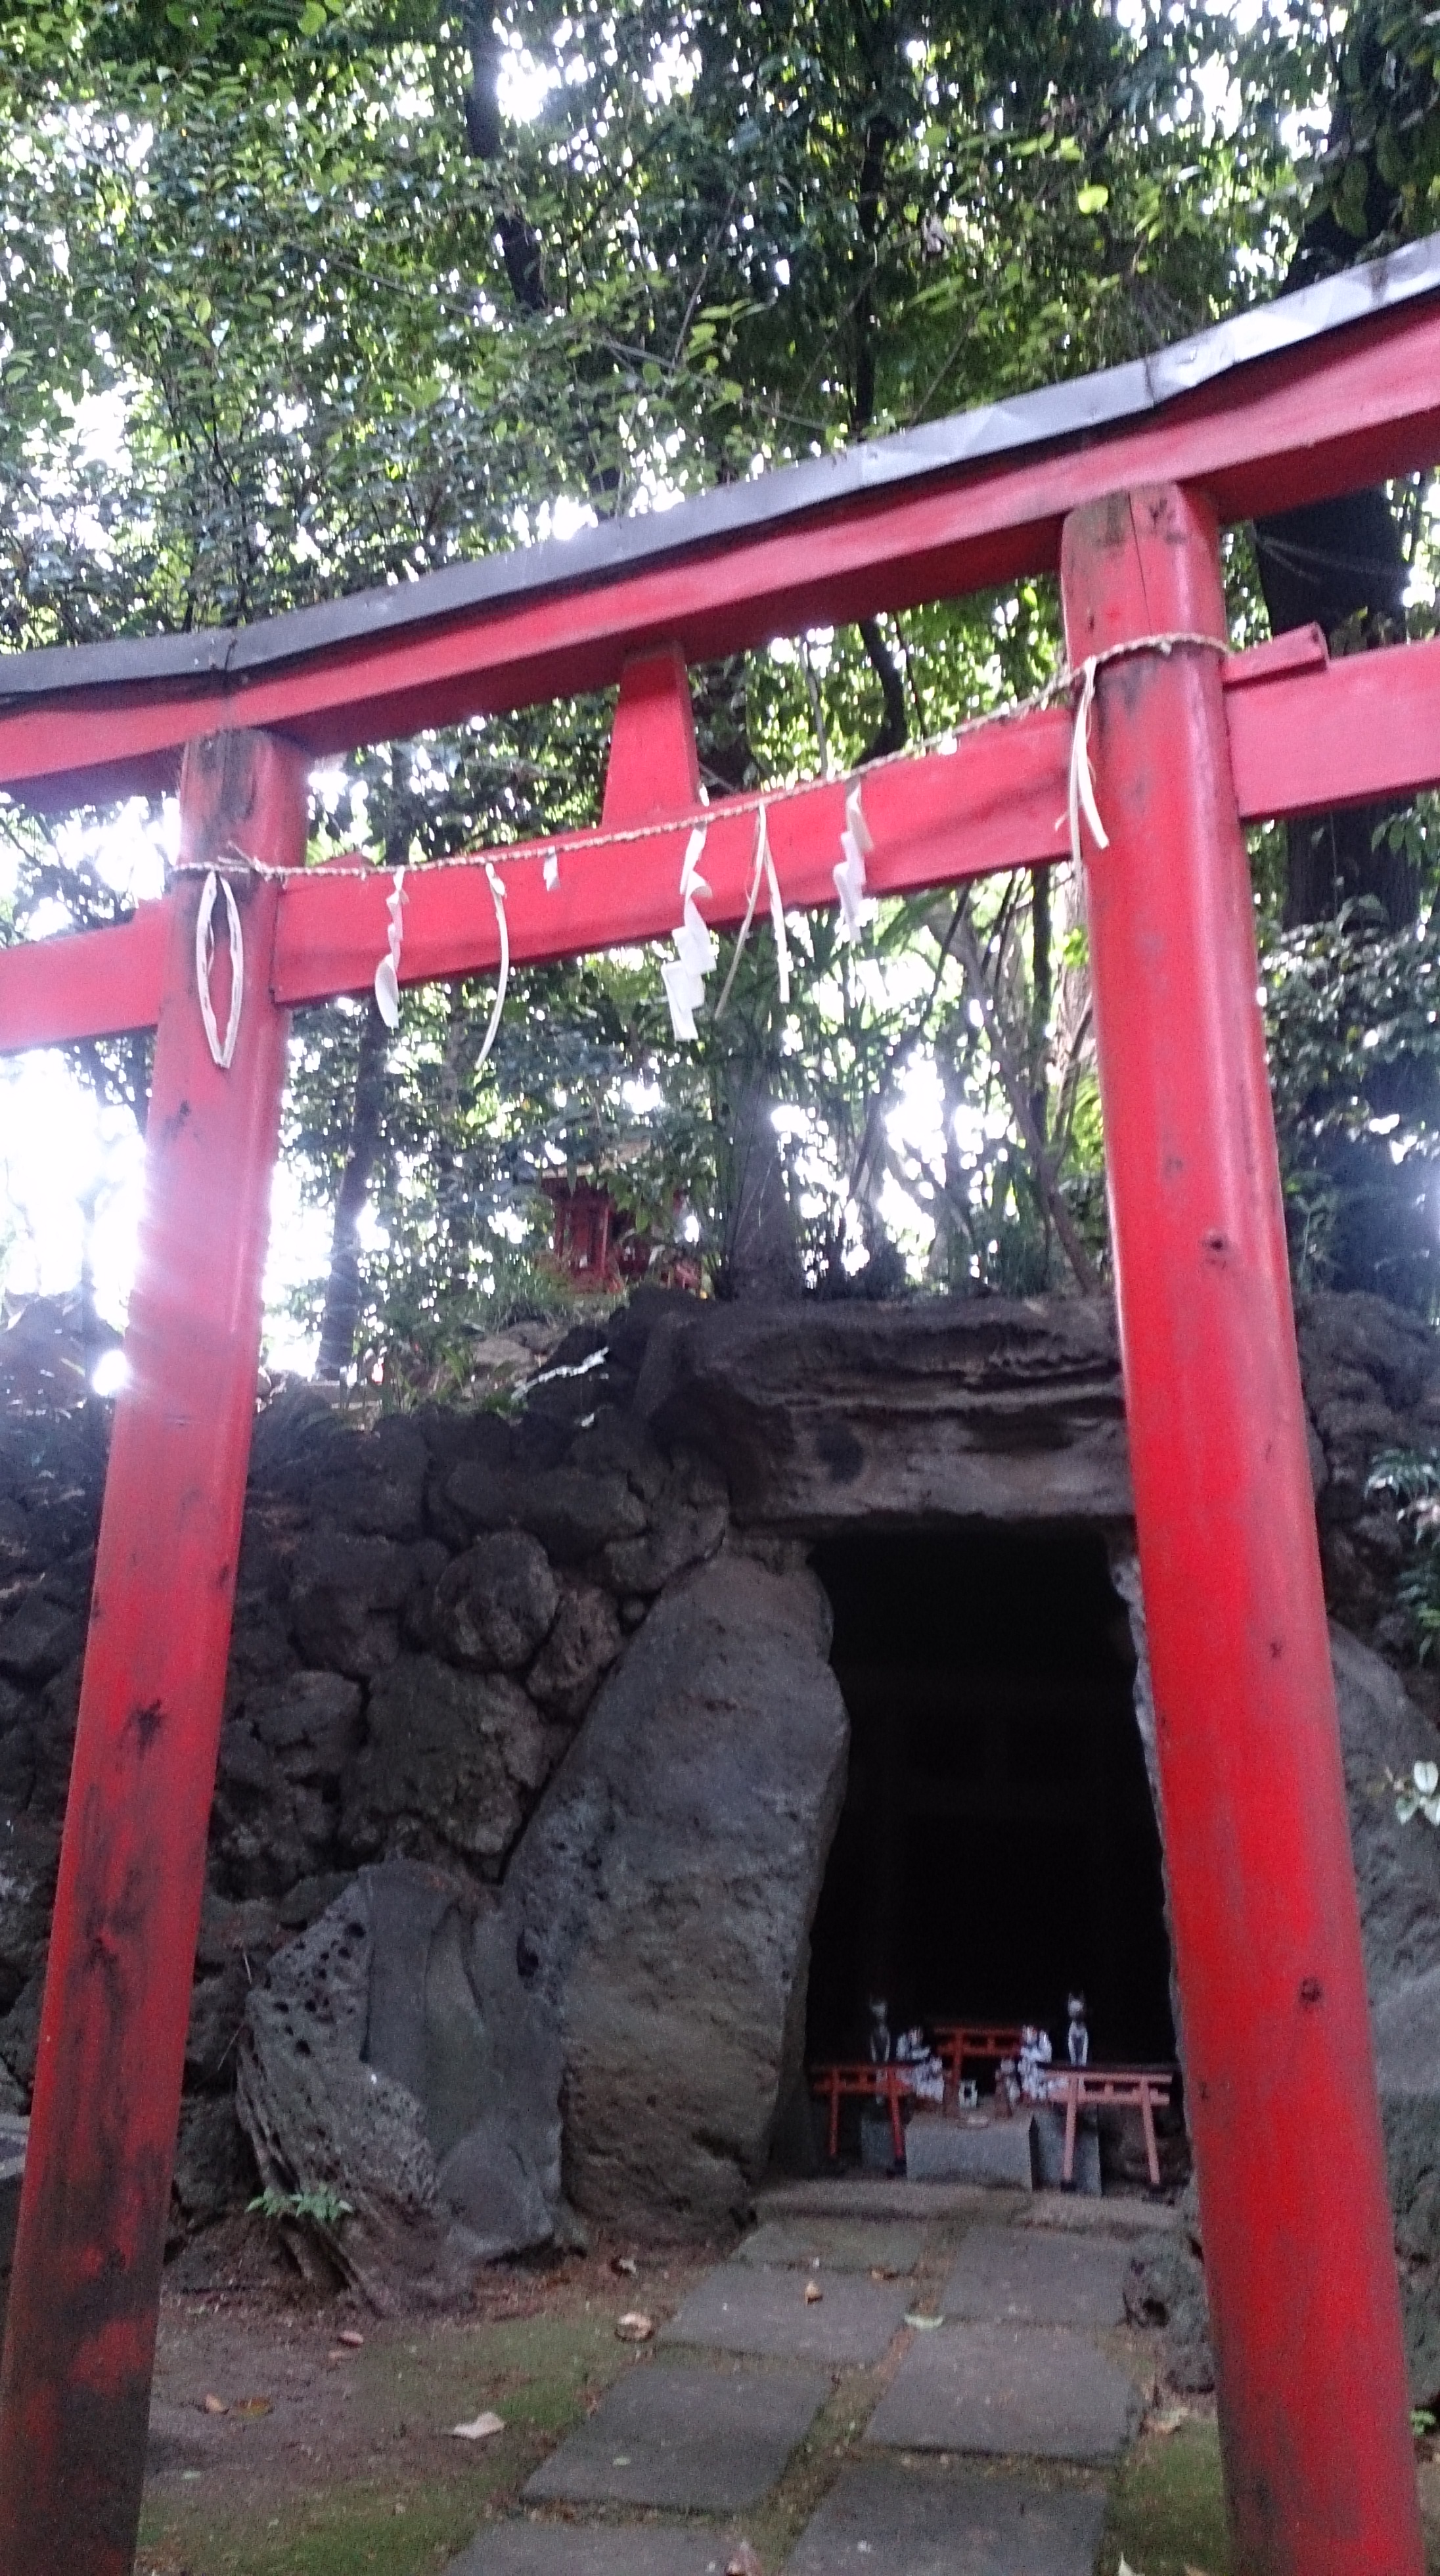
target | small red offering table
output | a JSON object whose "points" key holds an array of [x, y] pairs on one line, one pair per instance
{"points": [[1142, 2088], [856, 2079]]}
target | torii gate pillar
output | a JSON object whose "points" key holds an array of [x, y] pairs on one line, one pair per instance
{"points": [[1299, 2259], [80, 2332]]}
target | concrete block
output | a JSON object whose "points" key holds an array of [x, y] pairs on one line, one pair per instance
{"points": [[984, 2151]]}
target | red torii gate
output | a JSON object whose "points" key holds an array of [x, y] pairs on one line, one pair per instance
{"points": [[1123, 480]]}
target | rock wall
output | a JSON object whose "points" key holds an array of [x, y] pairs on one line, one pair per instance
{"points": [[426, 1613]]}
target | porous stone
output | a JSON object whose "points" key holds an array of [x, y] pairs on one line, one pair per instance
{"points": [[347, 1592], [1037, 2276], [692, 2440], [665, 1888], [39, 1637], [573, 1514], [745, 2308], [29, 1857], [496, 1604], [927, 2521], [392, 2057], [821, 1417], [212, 2169], [581, 1646], [1035, 2392], [451, 1762], [310, 1722]]}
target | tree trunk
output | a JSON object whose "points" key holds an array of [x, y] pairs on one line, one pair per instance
{"points": [[342, 1288], [760, 1260], [1339, 564]]}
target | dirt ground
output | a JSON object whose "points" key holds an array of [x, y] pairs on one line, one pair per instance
{"points": [[297, 2435]]}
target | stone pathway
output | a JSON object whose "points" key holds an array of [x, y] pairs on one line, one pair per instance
{"points": [[983, 2343]]}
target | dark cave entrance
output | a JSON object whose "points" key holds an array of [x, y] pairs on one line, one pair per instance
{"points": [[998, 1842]]}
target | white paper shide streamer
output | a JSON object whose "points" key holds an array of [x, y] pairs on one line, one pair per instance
{"points": [[684, 974], [387, 973], [497, 897], [222, 1049], [764, 858], [856, 842]]}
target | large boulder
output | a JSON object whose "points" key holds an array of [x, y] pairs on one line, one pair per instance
{"points": [[392, 2059], [1397, 1873], [661, 1899], [1397, 1869]]}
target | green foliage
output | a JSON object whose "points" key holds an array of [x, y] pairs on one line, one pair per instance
{"points": [[271, 329], [1409, 1481], [1353, 1016], [319, 2207]]}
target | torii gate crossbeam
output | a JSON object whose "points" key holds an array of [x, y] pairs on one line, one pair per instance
{"points": [[1127, 479]]}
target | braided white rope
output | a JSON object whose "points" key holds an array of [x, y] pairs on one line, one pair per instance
{"points": [[1063, 684], [222, 1049]]}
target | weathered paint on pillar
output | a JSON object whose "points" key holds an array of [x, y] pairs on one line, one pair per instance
{"points": [[84, 2294], [1299, 2257]]}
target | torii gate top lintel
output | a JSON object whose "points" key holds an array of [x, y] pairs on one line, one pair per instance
{"points": [[1294, 401], [1123, 483]]}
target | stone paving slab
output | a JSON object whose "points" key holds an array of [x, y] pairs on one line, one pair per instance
{"points": [[885, 2520], [1004, 2277], [565, 2549], [1037, 2392], [695, 2441], [743, 2309], [839, 2244]]}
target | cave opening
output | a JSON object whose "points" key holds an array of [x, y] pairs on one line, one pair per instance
{"points": [[998, 1843]]}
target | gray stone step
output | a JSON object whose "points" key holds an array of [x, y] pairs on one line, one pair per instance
{"points": [[835, 2244], [741, 2308], [564, 2549], [689, 2439], [1013, 2276], [1036, 2392], [924, 2521]]}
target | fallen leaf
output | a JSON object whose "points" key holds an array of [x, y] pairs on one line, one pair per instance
{"points": [[216, 2406], [253, 2406], [883, 2272], [635, 2327], [744, 2562], [926, 2325], [813, 2296], [348, 2335], [482, 2428], [625, 2263]]}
